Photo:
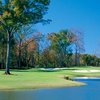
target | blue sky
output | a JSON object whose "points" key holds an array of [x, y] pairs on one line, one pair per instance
{"points": [[82, 15]]}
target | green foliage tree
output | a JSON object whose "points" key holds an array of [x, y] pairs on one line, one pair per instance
{"points": [[60, 42], [89, 60], [15, 13], [2, 48]]}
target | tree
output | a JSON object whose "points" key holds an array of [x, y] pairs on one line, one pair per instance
{"points": [[61, 42], [28, 48], [38, 39], [2, 47], [21, 37], [89, 60], [78, 45], [14, 14]]}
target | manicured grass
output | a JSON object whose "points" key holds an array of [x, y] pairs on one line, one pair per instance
{"points": [[71, 73], [34, 78]]}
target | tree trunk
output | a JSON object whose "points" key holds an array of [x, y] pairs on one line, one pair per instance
{"points": [[19, 58], [38, 54], [2, 53], [76, 55], [19, 55], [2, 66], [7, 70], [32, 59]]}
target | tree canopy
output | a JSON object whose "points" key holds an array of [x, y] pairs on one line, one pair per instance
{"points": [[16, 13]]}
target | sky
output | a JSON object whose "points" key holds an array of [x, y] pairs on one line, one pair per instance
{"points": [[82, 15]]}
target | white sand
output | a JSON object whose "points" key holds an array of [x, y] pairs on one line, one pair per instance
{"points": [[52, 69], [87, 71]]}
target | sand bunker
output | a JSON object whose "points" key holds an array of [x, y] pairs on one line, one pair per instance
{"points": [[87, 71]]}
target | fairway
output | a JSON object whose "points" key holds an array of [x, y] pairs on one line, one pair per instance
{"points": [[34, 78]]}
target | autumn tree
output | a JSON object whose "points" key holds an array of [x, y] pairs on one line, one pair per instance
{"points": [[14, 14], [21, 37], [38, 37], [28, 48]]}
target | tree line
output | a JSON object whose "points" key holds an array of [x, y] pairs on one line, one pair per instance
{"points": [[21, 46], [49, 50]]}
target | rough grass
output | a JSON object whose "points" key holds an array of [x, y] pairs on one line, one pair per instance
{"points": [[34, 78]]}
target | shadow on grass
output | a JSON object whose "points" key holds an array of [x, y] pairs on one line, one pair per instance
{"points": [[79, 75], [39, 70], [71, 69], [34, 70]]}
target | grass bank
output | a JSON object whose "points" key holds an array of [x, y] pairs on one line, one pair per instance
{"points": [[34, 78]]}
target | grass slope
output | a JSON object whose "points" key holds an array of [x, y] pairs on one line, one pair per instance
{"points": [[34, 78]]}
